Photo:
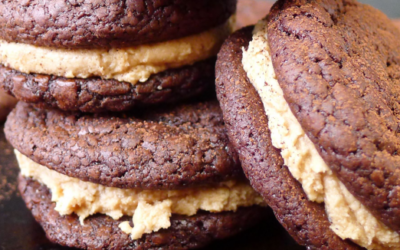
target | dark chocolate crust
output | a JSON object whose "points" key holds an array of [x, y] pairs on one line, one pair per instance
{"points": [[102, 232], [99, 95], [108, 23], [248, 131], [338, 63], [170, 148], [7, 103]]}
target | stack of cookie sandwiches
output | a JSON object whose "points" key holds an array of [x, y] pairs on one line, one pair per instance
{"points": [[154, 177], [310, 97], [113, 55]]}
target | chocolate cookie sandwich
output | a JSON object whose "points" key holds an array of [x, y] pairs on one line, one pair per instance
{"points": [[97, 56], [310, 100], [156, 179]]}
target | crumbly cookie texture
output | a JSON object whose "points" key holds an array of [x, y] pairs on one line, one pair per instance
{"points": [[108, 23], [151, 209], [98, 95], [350, 219], [133, 65], [247, 126], [168, 147], [102, 232], [337, 62]]}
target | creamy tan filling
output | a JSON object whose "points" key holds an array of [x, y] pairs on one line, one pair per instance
{"points": [[125, 64], [349, 218], [151, 209]]}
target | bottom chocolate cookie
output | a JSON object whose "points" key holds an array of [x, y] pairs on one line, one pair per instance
{"points": [[97, 95], [100, 231]]}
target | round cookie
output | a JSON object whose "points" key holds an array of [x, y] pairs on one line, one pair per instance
{"points": [[110, 23], [337, 63], [101, 232], [247, 126], [166, 148], [98, 95], [6, 104]]}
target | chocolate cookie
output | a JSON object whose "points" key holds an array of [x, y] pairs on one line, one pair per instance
{"points": [[169, 148], [96, 94], [338, 63], [100, 24], [247, 126], [7, 103], [100, 231]]}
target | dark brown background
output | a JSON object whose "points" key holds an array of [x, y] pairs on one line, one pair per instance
{"points": [[18, 230]]}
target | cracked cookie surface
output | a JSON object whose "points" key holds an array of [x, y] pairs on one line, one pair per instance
{"points": [[164, 148], [247, 126], [110, 23], [100, 231], [337, 62], [98, 95]]}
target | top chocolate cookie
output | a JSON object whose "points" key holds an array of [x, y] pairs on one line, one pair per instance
{"points": [[109, 23], [165, 148], [337, 62]]}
